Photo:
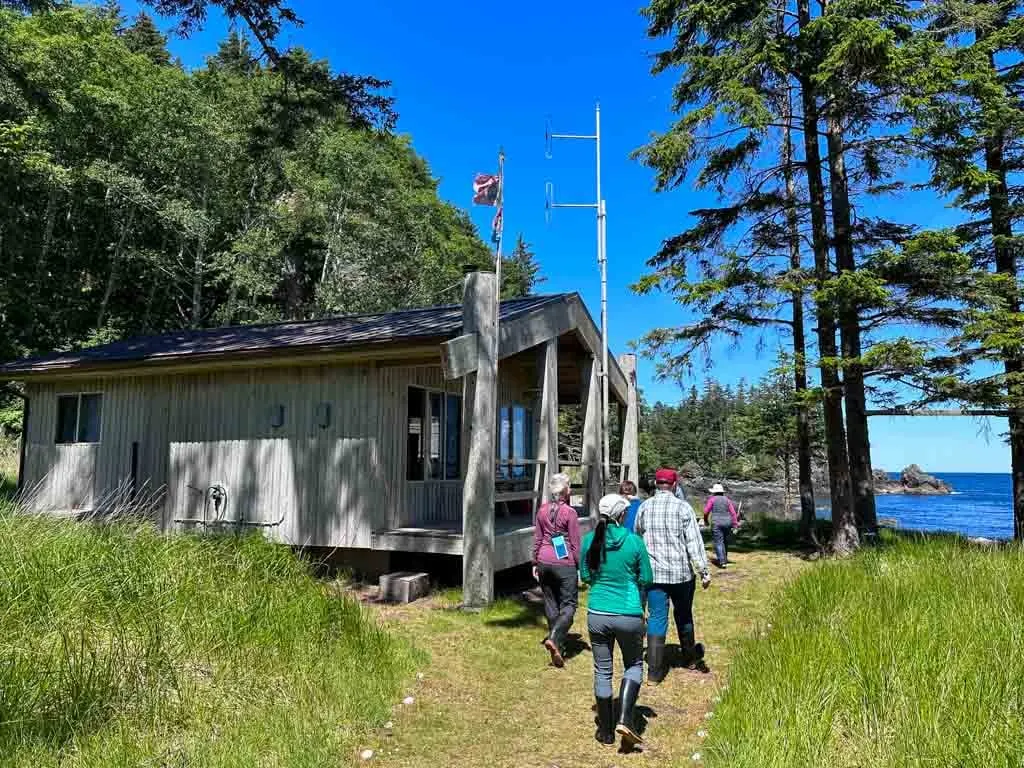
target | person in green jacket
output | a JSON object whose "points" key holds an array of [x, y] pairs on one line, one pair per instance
{"points": [[616, 566]]}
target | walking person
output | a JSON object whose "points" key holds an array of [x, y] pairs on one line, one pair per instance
{"points": [[670, 531], [724, 520], [616, 566], [556, 557], [627, 488]]}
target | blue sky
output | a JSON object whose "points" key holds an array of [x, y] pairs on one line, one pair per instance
{"points": [[470, 77]]}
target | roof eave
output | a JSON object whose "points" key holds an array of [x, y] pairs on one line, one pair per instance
{"points": [[424, 347]]}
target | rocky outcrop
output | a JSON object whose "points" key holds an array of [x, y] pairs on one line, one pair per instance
{"points": [[912, 481]]}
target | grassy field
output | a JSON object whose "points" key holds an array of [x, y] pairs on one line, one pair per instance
{"points": [[490, 699], [911, 654], [8, 467], [121, 647]]}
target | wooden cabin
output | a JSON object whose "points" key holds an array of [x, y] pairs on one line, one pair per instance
{"points": [[386, 432]]}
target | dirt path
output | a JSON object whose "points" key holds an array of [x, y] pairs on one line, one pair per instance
{"points": [[488, 699]]}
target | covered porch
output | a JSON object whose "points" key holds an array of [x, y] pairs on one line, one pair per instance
{"points": [[499, 416]]}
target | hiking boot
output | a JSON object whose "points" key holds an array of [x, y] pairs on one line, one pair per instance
{"points": [[557, 660], [691, 652], [629, 690], [605, 719], [656, 669]]}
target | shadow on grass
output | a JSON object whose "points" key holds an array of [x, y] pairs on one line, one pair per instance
{"points": [[527, 613], [768, 535]]}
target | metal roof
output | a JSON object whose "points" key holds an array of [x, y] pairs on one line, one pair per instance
{"points": [[328, 333]]}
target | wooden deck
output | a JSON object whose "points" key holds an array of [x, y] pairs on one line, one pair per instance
{"points": [[513, 539]]}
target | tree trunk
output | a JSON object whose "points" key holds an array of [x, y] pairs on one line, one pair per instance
{"points": [[197, 287], [844, 529], [857, 439], [1006, 263], [115, 269], [803, 429]]}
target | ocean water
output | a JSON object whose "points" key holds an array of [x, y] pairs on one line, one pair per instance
{"points": [[981, 505]]}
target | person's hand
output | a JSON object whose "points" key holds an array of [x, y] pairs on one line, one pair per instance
{"points": [[705, 581], [536, 575], [735, 530]]}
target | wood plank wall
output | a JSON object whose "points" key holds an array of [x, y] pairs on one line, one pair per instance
{"points": [[330, 485]]}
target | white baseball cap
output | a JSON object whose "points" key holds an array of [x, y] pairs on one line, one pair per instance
{"points": [[613, 506]]}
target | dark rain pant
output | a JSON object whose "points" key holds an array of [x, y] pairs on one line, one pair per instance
{"points": [[560, 587]]}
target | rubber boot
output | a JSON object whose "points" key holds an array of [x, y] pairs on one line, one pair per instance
{"points": [[656, 669], [692, 651], [605, 733], [688, 647], [629, 690]]}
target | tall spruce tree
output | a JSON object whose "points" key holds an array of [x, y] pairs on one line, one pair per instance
{"points": [[965, 94], [738, 68], [144, 37]]}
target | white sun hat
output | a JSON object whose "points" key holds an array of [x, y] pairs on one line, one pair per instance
{"points": [[613, 506], [717, 488]]}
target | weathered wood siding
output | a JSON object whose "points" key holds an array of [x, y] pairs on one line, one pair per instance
{"points": [[329, 485]]}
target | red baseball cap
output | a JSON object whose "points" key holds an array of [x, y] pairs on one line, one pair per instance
{"points": [[665, 476]]}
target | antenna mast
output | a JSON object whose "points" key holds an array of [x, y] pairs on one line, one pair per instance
{"points": [[602, 263]]}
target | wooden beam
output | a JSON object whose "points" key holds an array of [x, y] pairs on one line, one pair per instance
{"points": [[938, 412], [514, 336], [591, 337], [481, 415], [631, 423], [532, 329], [547, 435], [593, 481], [459, 356]]}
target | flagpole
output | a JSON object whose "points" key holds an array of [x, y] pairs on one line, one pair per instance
{"points": [[500, 235]]}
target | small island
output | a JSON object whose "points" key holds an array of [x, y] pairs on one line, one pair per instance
{"points": [[912, 481]]}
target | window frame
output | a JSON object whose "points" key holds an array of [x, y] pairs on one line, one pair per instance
{"points": [[78, 417], [426, 433], [506, 470]]}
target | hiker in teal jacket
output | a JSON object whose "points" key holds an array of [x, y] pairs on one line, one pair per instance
{"points": [[616, 566]]}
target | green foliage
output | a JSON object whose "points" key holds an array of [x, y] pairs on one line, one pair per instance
{"points": [[122, 646], [520, 272], [143, 37], [138, 197], [876, 661], [744, 434]]}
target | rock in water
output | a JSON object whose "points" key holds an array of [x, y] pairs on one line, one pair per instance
{"points": [[691, 470], [917, 480], [913, 481]]}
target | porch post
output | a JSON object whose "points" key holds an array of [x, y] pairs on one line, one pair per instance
{"points": [[547, 435], [590, 400], [480, 413], [631, 423]]}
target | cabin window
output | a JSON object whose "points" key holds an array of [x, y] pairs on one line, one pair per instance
{"points": [[78, 418], [515, 441], [453, 438], [433, 435]]}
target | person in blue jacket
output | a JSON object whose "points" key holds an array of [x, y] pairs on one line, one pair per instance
{"points": [[627, 489]]}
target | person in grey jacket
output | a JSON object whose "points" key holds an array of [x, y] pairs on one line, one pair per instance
{"points": [[724, 519]]}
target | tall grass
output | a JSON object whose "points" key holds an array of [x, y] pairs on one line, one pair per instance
{"points": [[9, 455], [909, 654], [122, 646]]}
